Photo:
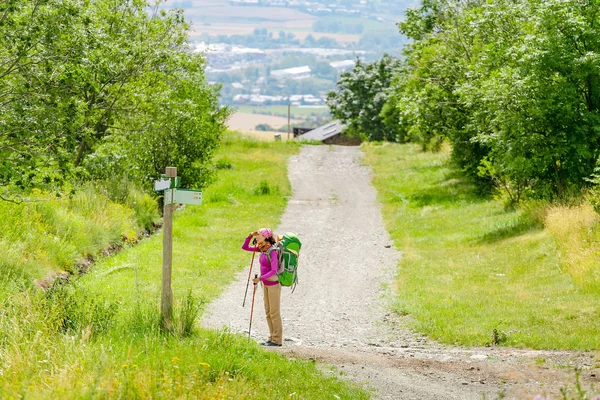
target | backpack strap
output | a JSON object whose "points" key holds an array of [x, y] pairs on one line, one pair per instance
{"points": [[268, 253]]}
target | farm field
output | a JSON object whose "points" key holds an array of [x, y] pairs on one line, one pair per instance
{"points": [[282, 111], [300, 29], [302, 32], [218, 17], [246, 123], [242, 121]]}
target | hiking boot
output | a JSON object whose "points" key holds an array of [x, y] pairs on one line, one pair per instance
{"points": [[269, 343]]}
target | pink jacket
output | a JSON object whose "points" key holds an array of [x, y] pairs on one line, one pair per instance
{"points": [[267, 270]]}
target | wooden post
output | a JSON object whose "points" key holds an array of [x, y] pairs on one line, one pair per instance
{"points": [[167, 293], [289, 105]]}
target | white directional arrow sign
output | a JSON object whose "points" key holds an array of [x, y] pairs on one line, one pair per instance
{"points": [[184, 196], [162, 184]]}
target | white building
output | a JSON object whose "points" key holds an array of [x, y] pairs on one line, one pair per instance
{"points": [[295, 73], [342, 65]]}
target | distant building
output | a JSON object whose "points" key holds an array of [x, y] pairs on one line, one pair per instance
{"points": [[298, 100], [297, 131], [342, 65], [244, 2], [330, 133], [226, 49], [311, 100], [257, 98], [296, 73]]}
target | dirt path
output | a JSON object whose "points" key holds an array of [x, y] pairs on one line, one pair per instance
{"points": [[339, 315]]}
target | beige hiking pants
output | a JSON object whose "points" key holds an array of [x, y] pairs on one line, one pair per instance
{"points": [[272, 297]]}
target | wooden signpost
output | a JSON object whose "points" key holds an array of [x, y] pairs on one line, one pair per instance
{"points": [[169, 183]]}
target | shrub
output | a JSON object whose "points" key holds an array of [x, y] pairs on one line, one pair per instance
{"points": [[264, 188], [76, 311], [224, 164]]}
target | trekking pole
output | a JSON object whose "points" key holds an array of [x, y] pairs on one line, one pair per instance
{"points": [[252, 308], [248, 283]]}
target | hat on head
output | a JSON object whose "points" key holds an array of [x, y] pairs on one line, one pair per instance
{"points": [[265, 232]]}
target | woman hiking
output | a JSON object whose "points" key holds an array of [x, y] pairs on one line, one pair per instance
{"points": [[269, 264]]}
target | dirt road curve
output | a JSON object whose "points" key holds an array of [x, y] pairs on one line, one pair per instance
{"points": [[338, 314]]}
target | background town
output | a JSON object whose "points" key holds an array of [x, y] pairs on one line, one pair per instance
{"points": [[271, 54]]}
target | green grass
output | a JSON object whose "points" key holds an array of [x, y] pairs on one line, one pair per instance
{"points": [[99, 337], [250, 192], [46, 234], [471, 272]]}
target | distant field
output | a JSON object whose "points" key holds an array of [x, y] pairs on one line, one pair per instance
{"points": [[223, 8], [245, 122], [266, 135], [242, 121], [369, 25], [218, 17], [300, 28], [302, 33], [296, 112]]}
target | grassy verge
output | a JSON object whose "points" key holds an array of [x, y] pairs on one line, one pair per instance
{"points": [[250, 192], [471, 272], [99, 338], [46, 235]]}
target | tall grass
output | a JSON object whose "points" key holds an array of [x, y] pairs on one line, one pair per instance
{"points": [[50, 234], [100, 337], [472, 272], [577, 233]]}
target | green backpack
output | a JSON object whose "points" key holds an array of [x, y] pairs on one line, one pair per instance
{"points": [[288, 248]]}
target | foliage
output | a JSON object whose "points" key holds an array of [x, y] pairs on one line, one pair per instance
{"points": [[49, 234], [264, 127], [473, 272], [513, 86], [576, 230], [360, 97], [80, 75], [73, 311], [99, 337]]}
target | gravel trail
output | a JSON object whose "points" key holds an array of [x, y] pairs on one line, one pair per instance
{"points": [[339, 313]]}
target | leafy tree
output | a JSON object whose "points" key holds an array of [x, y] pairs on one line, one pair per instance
{"points": [[183, 132], [549, 135], [360, 97], [323, 70], [81, 74], [28, 134], [513, 86], [426, 90]]}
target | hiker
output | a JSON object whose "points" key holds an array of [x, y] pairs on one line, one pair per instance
{"points": [[269, 264]]}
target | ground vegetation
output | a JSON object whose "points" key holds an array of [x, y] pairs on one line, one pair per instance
{"points": [[513, 87], [91, 89]]}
